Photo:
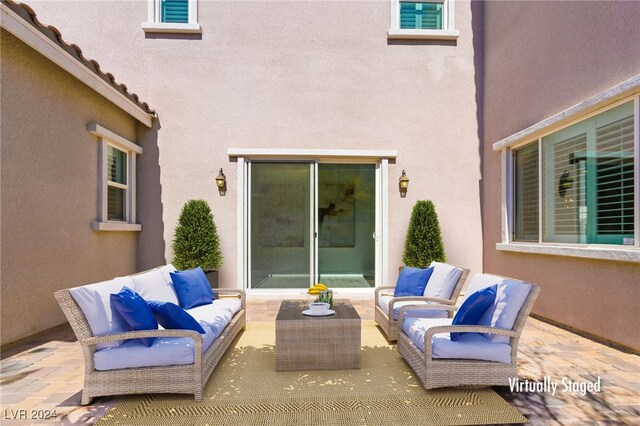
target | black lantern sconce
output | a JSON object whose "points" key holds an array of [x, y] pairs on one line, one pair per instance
{"points": [[404, 184], [221, 183]]}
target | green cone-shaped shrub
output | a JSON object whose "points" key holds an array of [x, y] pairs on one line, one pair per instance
{"points": [[196, 240], [424, 239]]}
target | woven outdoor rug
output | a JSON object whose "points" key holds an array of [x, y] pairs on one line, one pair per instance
{"points": [[244, 389]]}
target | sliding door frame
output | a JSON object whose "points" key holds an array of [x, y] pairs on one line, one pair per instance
{"points": [[243, 159]]}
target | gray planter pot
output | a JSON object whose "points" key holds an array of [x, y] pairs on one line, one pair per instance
{"points": [[212, 276]]}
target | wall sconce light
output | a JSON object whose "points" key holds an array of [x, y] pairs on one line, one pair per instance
{"points": [[404, 184], [221, 183]]}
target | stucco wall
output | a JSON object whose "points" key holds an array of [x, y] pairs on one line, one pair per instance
{"points": [[49, 190], [278, 74], [541, 60]]}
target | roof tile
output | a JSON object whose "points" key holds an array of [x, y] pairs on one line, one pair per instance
{"points": [[51, 32]]}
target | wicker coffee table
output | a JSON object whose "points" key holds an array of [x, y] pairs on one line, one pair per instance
{"points": [[317, 343]]}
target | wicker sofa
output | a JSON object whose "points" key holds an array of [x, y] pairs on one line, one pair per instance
{"points": [[443, 288], [115, 364], [486, 356]]}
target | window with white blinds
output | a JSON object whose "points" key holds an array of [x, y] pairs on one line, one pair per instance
{"points": [[172, 16], [615, 179], [526, 193], [175, 11], [116, 184], [588, 183], [565, 192], [116, 181], [423, 19], [420, 16]]}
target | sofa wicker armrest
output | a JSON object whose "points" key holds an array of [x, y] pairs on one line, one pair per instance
{"points": [[380, 290], [197, 337], [422, 299], [434, 300], [416, 310], [223, 293], [461, 329]]}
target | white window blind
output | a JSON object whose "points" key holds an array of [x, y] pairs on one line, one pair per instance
{"points": [[615, 178], [570, 192], [116, 184], [527, 190]]}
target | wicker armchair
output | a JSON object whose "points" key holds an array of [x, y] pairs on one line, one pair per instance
{"points": [[386, 306], [189, 379], [451, 372]]}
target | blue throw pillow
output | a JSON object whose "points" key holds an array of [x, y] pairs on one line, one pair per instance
{"points": [[203, 277], [191, 289], [473, 307], [135, 311], [172, 316], [412, 281]]}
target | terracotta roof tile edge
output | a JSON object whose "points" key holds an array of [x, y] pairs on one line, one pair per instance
{"points": [[76, 52]]}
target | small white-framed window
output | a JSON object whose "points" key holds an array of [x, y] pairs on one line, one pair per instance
{"points": [[117, 184], [116, 181], [172, 16], [422, 19]]}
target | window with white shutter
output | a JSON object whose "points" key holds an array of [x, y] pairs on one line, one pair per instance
{"points": [[526, 193], [422, 19], [588, 182], [172, 16], [116, 181]]}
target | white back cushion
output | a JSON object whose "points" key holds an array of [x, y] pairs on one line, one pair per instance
{"points": [[442, 281], [154, 285], [480, 281], [510, 298], [165, 271], [384, 302], [95, 302]]}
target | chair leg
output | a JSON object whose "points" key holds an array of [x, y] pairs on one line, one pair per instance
{"points": [[86, 399]]}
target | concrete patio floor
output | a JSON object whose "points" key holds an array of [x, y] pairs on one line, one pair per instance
{"points": [[44, 375]]}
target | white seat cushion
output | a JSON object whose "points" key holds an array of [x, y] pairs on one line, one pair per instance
{"points": [[442, 281], [212, 317], [510, 298], [95, 302], [231, 305], [164, 351], [415, 327], [468, 345], [384, 302], [153, 285]]}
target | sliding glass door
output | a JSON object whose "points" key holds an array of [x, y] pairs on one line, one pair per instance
{"points": [[311, 222], [281, 225], [346, 225]]}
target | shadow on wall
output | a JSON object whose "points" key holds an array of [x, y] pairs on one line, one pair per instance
{"points": [[477, 28], [151, 244]]}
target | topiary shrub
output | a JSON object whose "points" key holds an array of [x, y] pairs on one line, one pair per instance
{"points": [[196, 240], [423, 243]]}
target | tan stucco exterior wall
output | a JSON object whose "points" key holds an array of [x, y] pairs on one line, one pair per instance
{"points": [[540, 61], [278, 74], [49, 187]]}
